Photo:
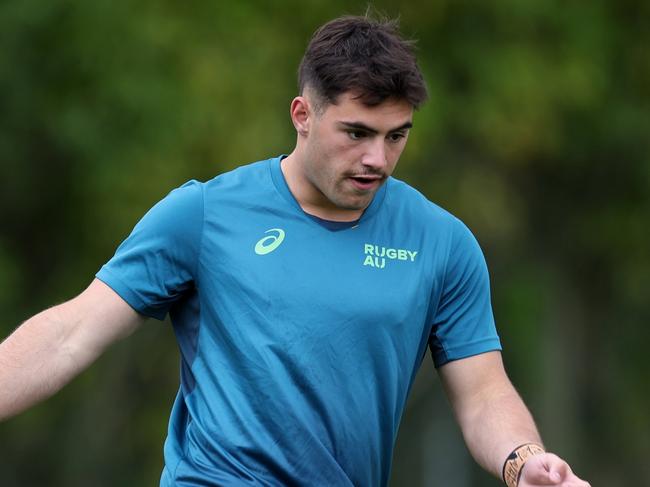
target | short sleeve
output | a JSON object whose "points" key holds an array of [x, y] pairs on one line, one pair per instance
{"points": [[157, 263], [463, 324]]}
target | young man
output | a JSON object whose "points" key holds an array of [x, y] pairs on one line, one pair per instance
{"points": [[304, 291]]}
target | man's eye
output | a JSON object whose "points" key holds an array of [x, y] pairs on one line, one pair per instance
{"points": [[356, 134], [396, 137]]}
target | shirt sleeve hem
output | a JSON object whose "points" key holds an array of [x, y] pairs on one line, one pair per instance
{"points": [[129, 295], [442, 357]]}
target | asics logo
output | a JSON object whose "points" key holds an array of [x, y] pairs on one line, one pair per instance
{"points": [[271, 242]]}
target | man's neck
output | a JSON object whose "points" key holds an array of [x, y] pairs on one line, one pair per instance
{"points": [[312, 201]]}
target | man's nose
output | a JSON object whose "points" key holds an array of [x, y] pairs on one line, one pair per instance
{"points": [[375, 155]]}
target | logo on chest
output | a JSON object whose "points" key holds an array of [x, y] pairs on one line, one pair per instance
{"points": [[271, 242], [378, 256]]}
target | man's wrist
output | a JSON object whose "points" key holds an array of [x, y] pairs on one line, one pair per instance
{"points": [[514, 463]]}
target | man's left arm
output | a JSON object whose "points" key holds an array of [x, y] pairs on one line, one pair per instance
{"points": [[495, 422]]}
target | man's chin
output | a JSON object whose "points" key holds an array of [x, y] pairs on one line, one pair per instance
{"points": [[355, 204]]}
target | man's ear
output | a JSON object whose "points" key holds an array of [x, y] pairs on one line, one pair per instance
{"points": [[301, 115]]}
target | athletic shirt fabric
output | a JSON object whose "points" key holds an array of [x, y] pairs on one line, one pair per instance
{"points": [[299, 343]]}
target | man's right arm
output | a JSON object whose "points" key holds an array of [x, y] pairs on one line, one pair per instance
{"points": [[51, 348]]}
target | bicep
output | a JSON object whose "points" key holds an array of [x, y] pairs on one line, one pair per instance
{"points": [[472, 381], [94, 319]]}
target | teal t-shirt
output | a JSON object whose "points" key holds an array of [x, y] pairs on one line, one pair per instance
{"points": [[299, 341]]}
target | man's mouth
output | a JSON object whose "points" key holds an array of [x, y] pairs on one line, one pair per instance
{"points": [[366, 182]]}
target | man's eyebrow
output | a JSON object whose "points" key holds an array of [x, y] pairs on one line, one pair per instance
{"points": [[365, 128]]}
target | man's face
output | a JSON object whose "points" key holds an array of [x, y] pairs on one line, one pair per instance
{"points": [[350, 150]]}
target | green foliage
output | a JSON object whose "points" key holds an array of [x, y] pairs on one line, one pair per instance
{"points": [[536, 135]]}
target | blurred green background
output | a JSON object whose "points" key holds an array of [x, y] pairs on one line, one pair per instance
{"points": [[537, 135]]}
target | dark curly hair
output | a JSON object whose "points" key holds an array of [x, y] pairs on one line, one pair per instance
{"points": [[365, 56]]}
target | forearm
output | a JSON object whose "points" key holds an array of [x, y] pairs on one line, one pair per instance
{"points": [[36, 361], [501, 424], [492, 417], [495, 421], [51, 348]]}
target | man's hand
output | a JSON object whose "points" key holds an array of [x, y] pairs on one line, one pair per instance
{"points": [[548, 469]]}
